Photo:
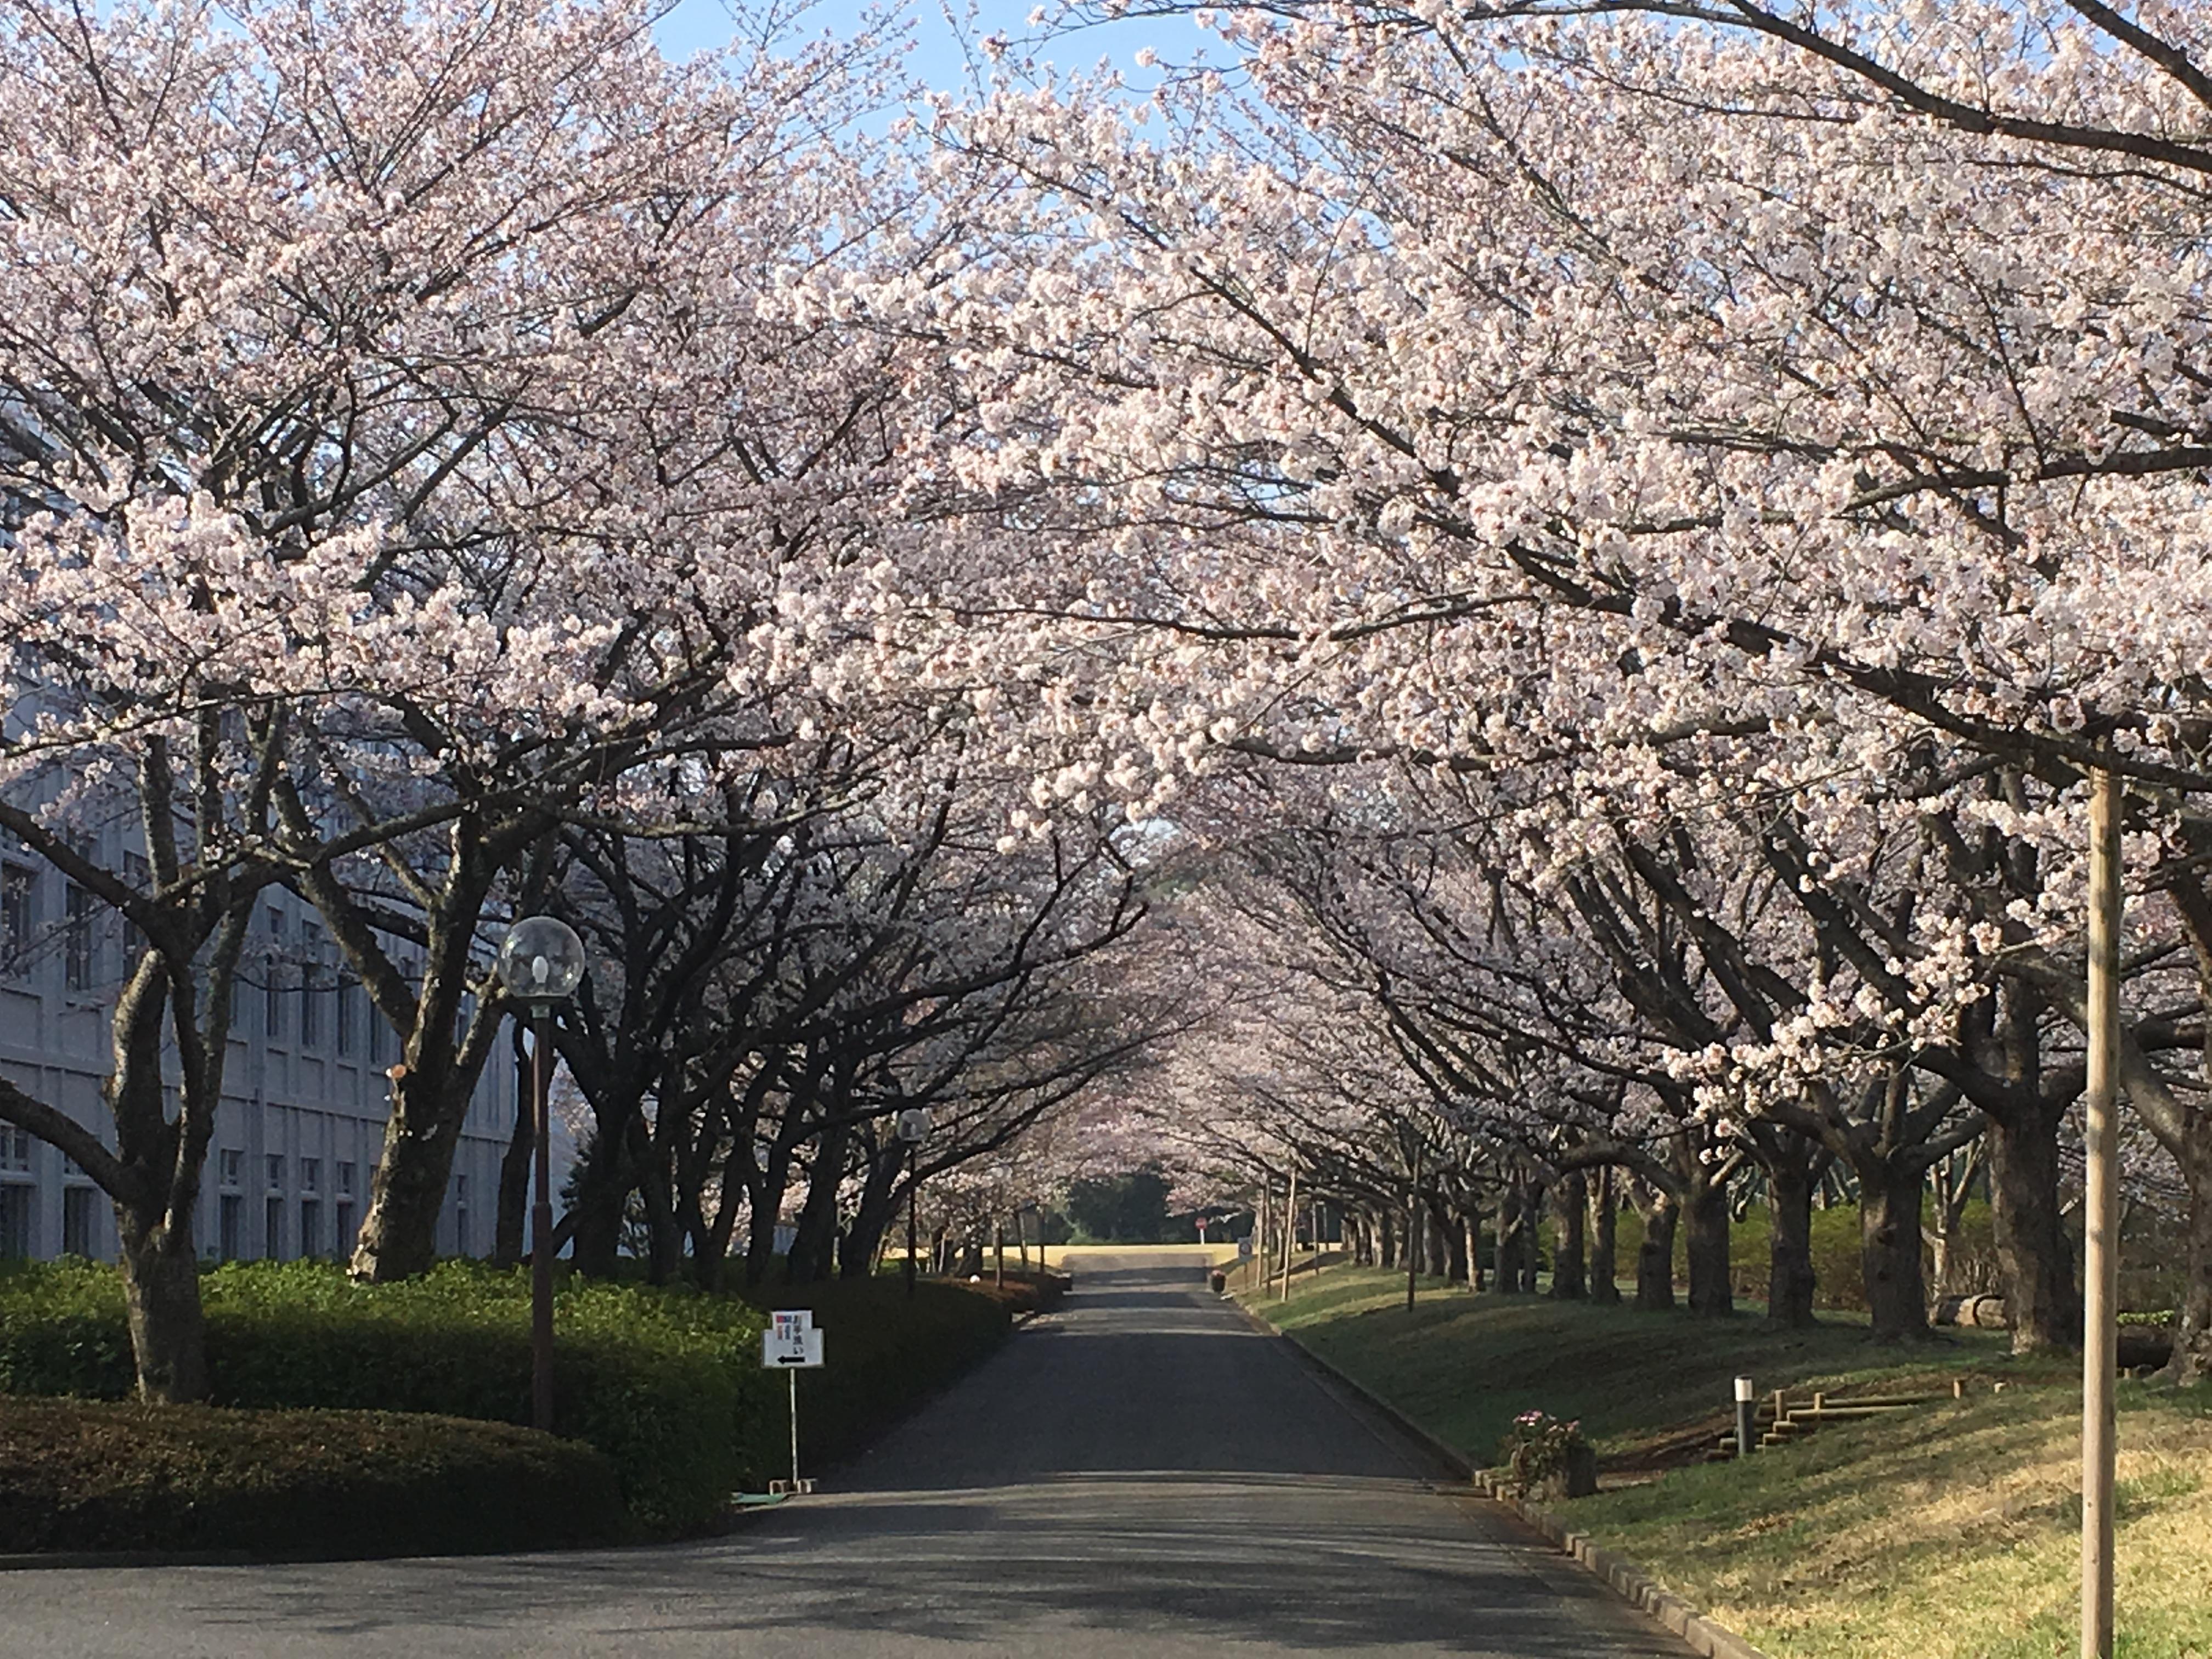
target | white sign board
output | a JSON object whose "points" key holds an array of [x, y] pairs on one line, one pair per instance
{"points": [[790, 1341]]}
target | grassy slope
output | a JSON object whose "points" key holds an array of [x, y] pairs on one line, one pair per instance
{"points": [[1951, 1535]]}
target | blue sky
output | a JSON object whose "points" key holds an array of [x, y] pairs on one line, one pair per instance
{"points": [[939, 58]]}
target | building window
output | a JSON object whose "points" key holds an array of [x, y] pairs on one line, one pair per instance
{"points": [[139, 875], [311, 1006], [232, 1163], [343, 1243], [14, 1149], [16, 1203], [230, 1233], [272, 1230], [79, 911], [377, 1039], [272, 993], [276, 1161], [17, 919], [77, 1221], [344, 1016], [345, 1178], [311, 1175], [311, 1228]]}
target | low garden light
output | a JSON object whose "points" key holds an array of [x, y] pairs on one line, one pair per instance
{"points": [[1746, 1393], [541, 962]]}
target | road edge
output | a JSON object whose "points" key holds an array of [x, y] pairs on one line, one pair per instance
{"points": [[1621, 1576]]}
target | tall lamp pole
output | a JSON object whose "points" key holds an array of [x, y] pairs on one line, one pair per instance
{"points": [[541, 962], [2101, 1218], [913, 1130]]}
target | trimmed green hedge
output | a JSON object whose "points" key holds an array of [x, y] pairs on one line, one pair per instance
{"points": [[95, 1475], [883, 1353], [665, 1382]]}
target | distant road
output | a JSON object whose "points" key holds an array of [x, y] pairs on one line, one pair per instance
{"points": [[1140, 1474]]}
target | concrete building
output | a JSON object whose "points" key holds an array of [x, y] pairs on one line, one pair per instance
{"points": [[302, 1123]]}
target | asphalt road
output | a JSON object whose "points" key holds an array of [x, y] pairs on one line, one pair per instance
{"points": [[1140, 1474]]}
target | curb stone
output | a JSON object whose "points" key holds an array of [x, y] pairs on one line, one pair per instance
{"points": [[1624, 1578]]}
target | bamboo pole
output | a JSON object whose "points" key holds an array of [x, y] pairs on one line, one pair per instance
{"points": [[2101, 1219]]}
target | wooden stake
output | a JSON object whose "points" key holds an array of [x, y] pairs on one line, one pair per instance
{"points": [[1413, 1229], [2101, 1222]]}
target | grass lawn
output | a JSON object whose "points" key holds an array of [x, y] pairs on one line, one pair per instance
{"points": [[1951, 1533]]}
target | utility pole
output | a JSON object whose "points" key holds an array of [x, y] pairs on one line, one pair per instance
{"points": [[2101, 1221]]}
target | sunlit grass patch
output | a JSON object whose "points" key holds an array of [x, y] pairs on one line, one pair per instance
{"points": [[1952, 1531]]}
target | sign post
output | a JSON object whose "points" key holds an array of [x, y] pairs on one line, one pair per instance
{"points": [[790, 1343]]}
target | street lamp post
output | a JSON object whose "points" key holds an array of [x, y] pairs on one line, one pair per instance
{"points": [[913, 1130], [541, 962]]}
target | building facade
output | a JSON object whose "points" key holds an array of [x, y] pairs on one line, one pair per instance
{"points": [[302, 1123]]}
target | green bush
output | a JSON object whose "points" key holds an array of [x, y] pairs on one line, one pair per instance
{"points": [[95, 1475], [665, 1382], [62, 1330], [883, 1353]]}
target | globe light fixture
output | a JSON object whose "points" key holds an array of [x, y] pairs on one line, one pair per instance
{"points": [[541, 963]]}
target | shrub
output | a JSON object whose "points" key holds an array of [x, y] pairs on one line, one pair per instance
{"points": [[95, 1475], [884, 1353], [1537, 1448], [666, 1382]]}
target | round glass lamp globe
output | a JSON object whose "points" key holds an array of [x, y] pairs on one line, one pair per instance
{"points": [[541, 960]]}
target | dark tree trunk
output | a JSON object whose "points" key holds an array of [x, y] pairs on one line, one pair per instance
{"points": [[1655, 1254], [1505, 1264], [1604, 1254], [877, 1208], [1532, 1221], [161, 1302], [398, 1236], [2192, 1338], [1456, 1239], [602, 1190], [430, 1093], [1386, 1232], [1567, 1282], [1712, 1291], [2042, 1303], [663, 1231], [766, 1209], [1789, 1281], [813, 1248], [1890, 1197]]}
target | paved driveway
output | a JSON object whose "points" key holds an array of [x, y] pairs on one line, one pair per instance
{"points": [[1142, 1473]]}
